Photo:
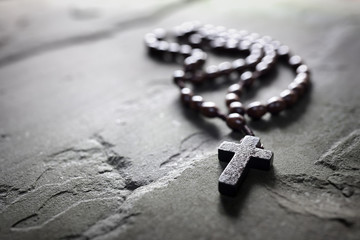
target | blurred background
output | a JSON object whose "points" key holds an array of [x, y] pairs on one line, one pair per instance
{"points": [[94, 143]]}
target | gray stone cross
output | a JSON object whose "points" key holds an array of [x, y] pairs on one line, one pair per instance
{"points": [[241, 157]]}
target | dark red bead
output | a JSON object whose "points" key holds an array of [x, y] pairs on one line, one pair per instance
{"points": [[209, 109], [269, 60], [275, 105], [261, 68], [178, 76], [239, 65], [302, 79], [200, 55], [174, 49], [212, 71], [195, 40], [247, 78], [186, 95], [150, 38], [231, 45], [283, 51], [235, 121], [190, 63], [256, 110], [237, 107], [295, 61], [303, 69], [231, 97], [244, 45], [235, 88], [298, 88], [163, 47], [256, 47], [196, 102], [160, 33], [225, 68], [218, 44], [290, 97], [251, 60], [185, 50]]}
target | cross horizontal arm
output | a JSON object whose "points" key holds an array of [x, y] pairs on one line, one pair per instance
{"points": [[261, 159], [227, 150], [262, 153]]}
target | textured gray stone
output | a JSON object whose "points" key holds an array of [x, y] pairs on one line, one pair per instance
{"points": [[94, 143]]}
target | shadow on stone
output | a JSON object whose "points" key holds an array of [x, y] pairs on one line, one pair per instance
{"points": [[232, 206], [200, 122]]}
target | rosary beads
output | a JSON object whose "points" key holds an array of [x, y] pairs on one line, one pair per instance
{"points": [[261, 53]]}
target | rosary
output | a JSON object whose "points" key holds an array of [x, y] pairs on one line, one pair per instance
{"points": [[261, 53]]}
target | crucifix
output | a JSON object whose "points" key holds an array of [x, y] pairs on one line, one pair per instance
{"points": [[262, 54], [240, 158]]}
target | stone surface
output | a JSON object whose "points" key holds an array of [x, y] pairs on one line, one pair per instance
{"points": [[94, 143]]}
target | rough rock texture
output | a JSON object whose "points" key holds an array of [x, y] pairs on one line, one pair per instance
{"points": [[94, 143]]}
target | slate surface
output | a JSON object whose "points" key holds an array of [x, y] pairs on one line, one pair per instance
{"points": [[94, 143]]}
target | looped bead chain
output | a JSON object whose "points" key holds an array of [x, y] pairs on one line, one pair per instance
{"points": [[193, 39]]}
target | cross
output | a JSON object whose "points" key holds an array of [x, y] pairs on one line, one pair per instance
{"points": [[241, 157]]}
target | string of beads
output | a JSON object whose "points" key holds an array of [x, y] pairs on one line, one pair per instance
{"points": [[261, 55]]}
